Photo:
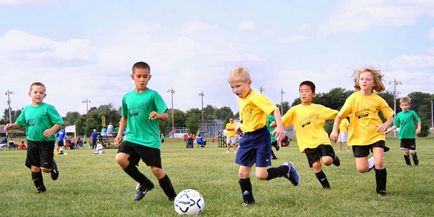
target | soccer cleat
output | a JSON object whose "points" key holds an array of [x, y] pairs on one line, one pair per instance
{"points": [[336, 161], [41, 189], [382, 193], [54, 171], [141, 191], [371, 163], [292, 174]]}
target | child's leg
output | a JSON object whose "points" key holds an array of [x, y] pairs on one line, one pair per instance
{"points": [[407, 157], [37, 179], [380, 170], [164, 182], [246, 185], [340, 146], [415, 159], [131, 170], [362, 164], [320, 175]]}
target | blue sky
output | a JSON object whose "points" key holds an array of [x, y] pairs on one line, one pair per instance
{"points": [[85, 49]]}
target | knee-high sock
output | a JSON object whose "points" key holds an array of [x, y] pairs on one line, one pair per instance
{"points": [[246, 191], [322, 178], [381, 179], [167, 187], [134, 173]]}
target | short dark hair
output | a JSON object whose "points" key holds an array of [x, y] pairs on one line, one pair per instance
{"points": [[141, 65], [310, 84], [37, 83]]}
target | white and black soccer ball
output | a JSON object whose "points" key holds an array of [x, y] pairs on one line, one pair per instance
{"points": [[189, 202]]}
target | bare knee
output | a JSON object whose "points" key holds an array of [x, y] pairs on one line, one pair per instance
{"points": [[316, 166], [158, 172], [327, 160], [122, 160], [261, 176]]}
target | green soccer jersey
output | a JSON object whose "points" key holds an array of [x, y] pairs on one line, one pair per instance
{"points": [[136, 108], [37, 119], [406, 121]]}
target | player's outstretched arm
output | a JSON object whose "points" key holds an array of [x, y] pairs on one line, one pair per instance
{"points": [[335, 132]]}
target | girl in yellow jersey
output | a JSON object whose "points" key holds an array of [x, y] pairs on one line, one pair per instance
{"points": [[366, 131]]}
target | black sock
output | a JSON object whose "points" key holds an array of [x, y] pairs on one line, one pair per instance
{"points": [[415, 159], [38, 180], [381, 179], [246, 191], [273, 156], [134, 173], [167, 187], [322, 178], [275, 172], [407, 159]]}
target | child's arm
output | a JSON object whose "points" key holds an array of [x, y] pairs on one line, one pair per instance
{"points": [[383, 127], [335, 132], [52, 130], [419, 127], [122, 124], [390, 129], [11, 126], [154, 115], [280, 133]]}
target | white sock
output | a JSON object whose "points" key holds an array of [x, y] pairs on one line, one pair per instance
{"points": [[371, 162]]}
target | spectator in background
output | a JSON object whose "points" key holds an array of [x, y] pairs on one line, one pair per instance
{"points": [[22, 146]]}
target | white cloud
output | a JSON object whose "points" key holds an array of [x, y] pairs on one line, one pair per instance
{"points": [[195, 27], [355, 15], [23, 46], [430, 33], [246, 25], [413, 61]]}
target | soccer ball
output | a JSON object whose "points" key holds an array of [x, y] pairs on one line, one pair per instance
{"points": [[189, 202]]}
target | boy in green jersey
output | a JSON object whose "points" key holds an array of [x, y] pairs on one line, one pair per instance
{"points": [[141, 111], [41, 122], [409, 126]]}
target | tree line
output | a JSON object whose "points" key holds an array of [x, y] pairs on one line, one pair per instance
{"points": [[191, 119]]}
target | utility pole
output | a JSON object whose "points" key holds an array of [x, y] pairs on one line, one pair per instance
{"points": [[395, 83], [201, 95], [261, 89], [87, 101], [281, 101], [432, 113], [171, 91], [8, 93]]}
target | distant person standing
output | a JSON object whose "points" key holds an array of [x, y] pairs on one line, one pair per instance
{"points": [[94, 137], [60, 140], [41, 121], [343, 134], [231, 135]]}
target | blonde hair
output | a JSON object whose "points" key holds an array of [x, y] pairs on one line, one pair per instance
{"points": [[405, 99], [239, 74], [376, 74]]}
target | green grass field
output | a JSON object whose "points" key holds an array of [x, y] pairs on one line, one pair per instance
{"points": [[93, 185]]}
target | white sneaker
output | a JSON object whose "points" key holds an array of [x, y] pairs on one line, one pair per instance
{"points": [[371, 163]]}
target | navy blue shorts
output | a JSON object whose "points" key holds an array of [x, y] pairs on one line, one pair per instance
{"points": [[255, 147]]}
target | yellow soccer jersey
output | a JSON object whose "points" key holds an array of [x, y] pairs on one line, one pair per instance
{"points": [[254, 109], [343, 126], [364, 118], [308, 122], [230, 129]]}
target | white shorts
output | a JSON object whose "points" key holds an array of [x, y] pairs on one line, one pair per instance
{"points": [[343, 137], [231, 140]]}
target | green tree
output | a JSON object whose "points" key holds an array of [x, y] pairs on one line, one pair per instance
{"points": [[193, 118], [421, 103], [71, 118]]}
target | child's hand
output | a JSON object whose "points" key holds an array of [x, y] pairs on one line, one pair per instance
{"points": [[273, 124], [382, 128], [7, 127], [279, 132], [118, 140], [417, 131], [153, 115], [48, 133], [334, 135]]}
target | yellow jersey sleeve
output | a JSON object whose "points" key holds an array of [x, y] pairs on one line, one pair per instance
{"points": [[254, 109]]}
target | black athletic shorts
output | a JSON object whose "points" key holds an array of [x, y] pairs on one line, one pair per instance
{"points": [[60, 143], [409, 144], [364, 150], [40, 154], [151, 156], [315, 154]]}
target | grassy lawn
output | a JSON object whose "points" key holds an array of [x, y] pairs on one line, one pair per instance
{"points": [[93, 185]]}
